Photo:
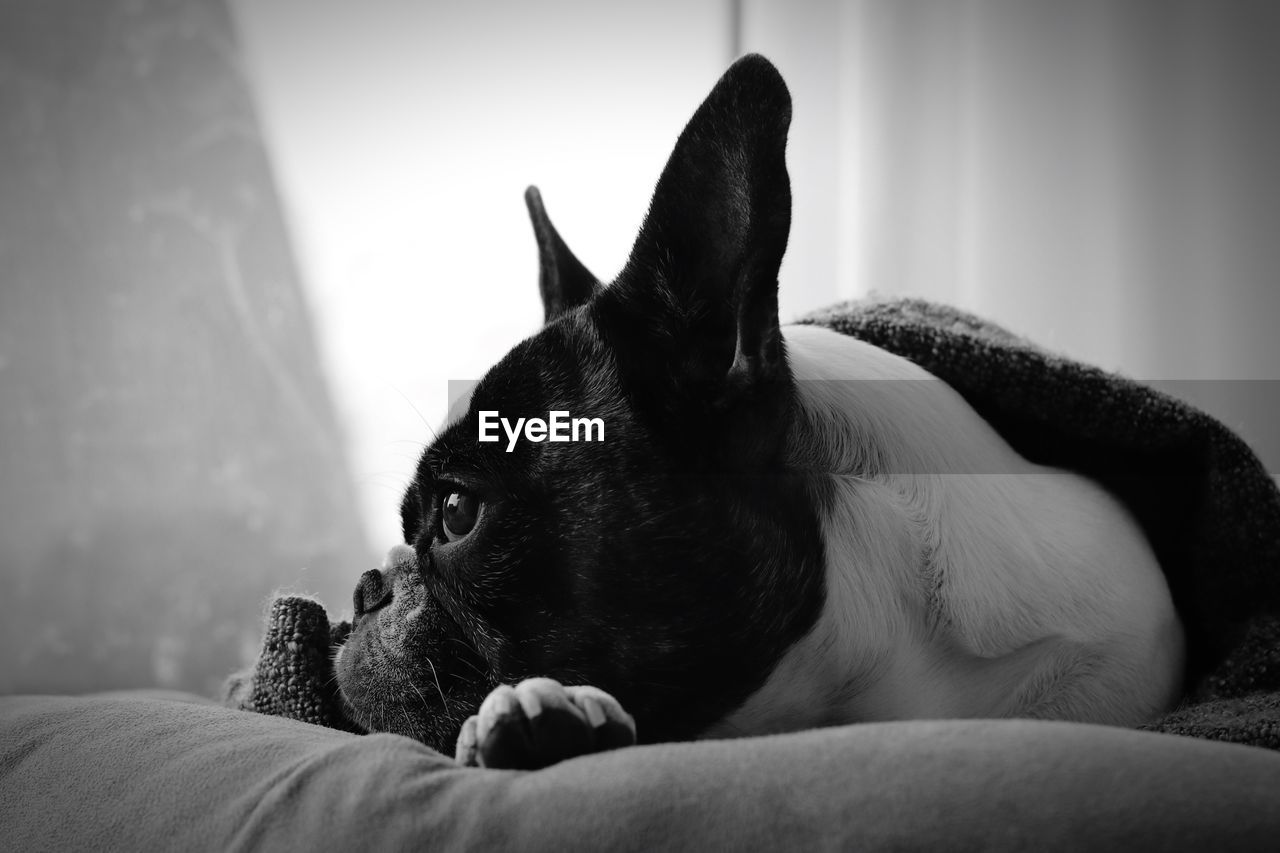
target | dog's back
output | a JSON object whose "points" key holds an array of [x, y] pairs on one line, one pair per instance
{"points": [[962, 580]]}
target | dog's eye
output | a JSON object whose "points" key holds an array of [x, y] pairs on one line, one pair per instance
{"points": [[458, 514]]}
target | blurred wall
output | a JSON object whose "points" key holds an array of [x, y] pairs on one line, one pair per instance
{"points": [[1099, 175], [169, 453], [405, 133]]}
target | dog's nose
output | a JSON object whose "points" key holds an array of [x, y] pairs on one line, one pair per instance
{"points": [[372, 592]]}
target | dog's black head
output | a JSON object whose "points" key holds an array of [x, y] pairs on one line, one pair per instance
{"points": [[672, 562]]}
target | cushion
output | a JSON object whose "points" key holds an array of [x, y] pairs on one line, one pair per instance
{"points": [[148, 771]]}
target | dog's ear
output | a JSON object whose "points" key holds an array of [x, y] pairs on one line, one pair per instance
{"points": [[697, 303], [564, 281]]}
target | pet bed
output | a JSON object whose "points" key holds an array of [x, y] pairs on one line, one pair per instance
{"points": [[148, 773]]}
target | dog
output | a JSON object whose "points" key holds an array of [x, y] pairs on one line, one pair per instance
{"points": [[774, 529]]}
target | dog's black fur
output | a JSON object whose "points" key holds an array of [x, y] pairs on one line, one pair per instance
{"points": [[671, 564]]}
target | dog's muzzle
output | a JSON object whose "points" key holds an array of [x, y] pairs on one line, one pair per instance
{"points": [[374, 589]]}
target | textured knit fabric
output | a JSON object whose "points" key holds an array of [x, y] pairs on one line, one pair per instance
{"points": [[1210, 510], [293, 676]]}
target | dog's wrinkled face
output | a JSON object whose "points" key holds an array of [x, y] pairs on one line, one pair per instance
{"points": [[672, 562]]}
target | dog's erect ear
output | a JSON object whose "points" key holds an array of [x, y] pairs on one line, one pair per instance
{"points": [[565, 283], [698, 297]]}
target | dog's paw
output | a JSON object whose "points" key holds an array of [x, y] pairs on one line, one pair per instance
{"points": [[539, 722]]}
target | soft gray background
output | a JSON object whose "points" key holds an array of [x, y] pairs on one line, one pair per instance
{"points": [[245, 246]]}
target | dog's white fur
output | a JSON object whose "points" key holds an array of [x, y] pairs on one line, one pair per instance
{"points": [[962, 580]]}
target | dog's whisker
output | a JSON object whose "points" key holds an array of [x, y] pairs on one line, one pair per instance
{"points": [[421, 445], [410, 728], [426, 707], [466, 658], [477, 670], [422, 417], [363, 719], [439, 690]]}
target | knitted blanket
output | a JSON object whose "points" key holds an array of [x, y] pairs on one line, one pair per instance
{"points": [[1209, 509]]}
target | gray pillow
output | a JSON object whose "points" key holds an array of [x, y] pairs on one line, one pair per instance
{"points": [[138, 772]]}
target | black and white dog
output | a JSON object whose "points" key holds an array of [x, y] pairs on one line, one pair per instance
{"points": [[769, 536]]}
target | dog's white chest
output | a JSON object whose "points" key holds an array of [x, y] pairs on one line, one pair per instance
{"points": [[962, 581]]}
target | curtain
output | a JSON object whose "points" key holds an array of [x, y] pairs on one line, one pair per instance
{"points": [[1100, 175], [169, 450]]}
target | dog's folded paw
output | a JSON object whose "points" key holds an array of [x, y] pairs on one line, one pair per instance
{"points": [[539, 722]]}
